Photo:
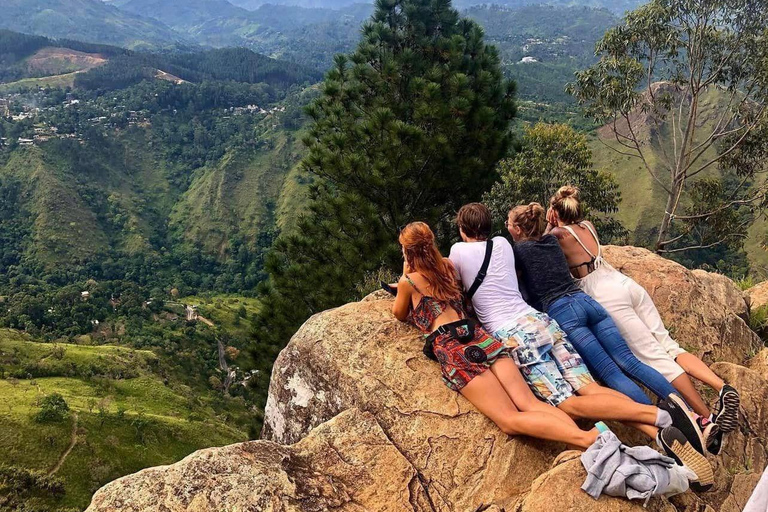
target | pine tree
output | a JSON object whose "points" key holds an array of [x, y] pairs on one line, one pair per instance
{"points": [[408, 127]]}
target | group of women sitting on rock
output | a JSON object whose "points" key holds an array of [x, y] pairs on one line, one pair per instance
{"points": [[545, 331]]}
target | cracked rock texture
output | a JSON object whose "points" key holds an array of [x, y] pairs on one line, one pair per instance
{"points": [[347, 464], [359, 356], [758, 295], [358, 419]]}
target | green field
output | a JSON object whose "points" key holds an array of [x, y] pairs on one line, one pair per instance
{"points": [[61, 81], [229, 312], [124, 423]]}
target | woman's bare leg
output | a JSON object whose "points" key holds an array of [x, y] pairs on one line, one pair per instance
{"points": [[592, 404], [596, 389], [698, 369], [486, 393], [692, 397], [520, 393]]}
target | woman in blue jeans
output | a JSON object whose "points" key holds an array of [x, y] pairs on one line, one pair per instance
{"points": [[550, 288]]}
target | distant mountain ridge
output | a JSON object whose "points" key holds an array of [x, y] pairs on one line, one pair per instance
{"points": [[617, 6], [311, 32], [87, 20], [184, 15]]}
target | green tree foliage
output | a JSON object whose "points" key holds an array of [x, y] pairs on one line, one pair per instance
{"points": [[22, 489], [53, 408], [553, 155], [408, 127], [687, 79], [231, 66]]}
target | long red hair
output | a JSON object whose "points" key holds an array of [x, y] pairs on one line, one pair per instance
{"points": [[423, 256]]}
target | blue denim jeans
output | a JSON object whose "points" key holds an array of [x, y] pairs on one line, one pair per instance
{"points": [[609, 358]]}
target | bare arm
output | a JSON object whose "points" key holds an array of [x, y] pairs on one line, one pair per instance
{"points": [[402, 304], [560, 234], [551, 221]]}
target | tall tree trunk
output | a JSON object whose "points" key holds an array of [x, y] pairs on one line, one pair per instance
{"points": [[666, 222]]}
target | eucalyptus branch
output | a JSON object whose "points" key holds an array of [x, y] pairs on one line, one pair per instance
{"points": [[730, 150], [730, 204]]}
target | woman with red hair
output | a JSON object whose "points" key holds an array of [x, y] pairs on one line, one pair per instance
{"points": [[472, 361]]}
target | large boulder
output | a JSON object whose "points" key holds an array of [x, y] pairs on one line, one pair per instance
{"points": [[358, 419], [705, 312], [559, 490], [745, 453], [347, 464], [758, 295], [759, 363], [359, 355]]}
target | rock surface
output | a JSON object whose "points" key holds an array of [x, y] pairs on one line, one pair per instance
{"points": [[758, 295], [558, 490], [358, 355], [759, 363], [347, 464], [745, 453], [375, 429]]}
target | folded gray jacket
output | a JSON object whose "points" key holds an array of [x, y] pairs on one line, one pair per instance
{"points": [[634, 472]]}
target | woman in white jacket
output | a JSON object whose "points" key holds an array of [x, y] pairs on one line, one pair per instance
{"points": [[634, 312]]}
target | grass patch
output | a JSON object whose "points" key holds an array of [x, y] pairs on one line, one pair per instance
{"points": [[22, 357], [124, 423], [25, 84], [233, 313], [758, 320], [745, 283]]}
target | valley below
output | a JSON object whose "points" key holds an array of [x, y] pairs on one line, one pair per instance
{"points": [[151, 170]]}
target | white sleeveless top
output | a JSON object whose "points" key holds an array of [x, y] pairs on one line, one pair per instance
{"points": [[601, 268]]}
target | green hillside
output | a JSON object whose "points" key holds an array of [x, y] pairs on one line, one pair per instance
{"points": [[185, 177], [220, 204], [86, 20], [118, 196], [123, 416], [643, 199]]}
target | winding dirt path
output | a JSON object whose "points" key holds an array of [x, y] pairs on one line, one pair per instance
{"points": [[206, 321], [72, 443]]}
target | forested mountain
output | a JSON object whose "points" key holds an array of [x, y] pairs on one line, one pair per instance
{"points": [[310, 36], [312, 4], [617, 6], [134, 136], [86, 20], [137, 181], [184, 15], [542, 46], [560, 38]]}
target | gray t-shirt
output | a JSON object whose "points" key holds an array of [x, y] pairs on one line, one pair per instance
{"points": [[498, 301], [545, 271]]}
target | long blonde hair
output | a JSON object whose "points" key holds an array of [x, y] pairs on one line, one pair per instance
{"points": [[530, 219], [424, 257], [567, 203]]}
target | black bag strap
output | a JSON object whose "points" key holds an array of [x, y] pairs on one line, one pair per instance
{"points": [[483, 270]]}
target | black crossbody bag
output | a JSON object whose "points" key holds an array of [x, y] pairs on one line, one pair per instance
{"points": [[467, 325]]}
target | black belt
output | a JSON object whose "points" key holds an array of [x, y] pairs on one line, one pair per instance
{"points": [[452, 328]]}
